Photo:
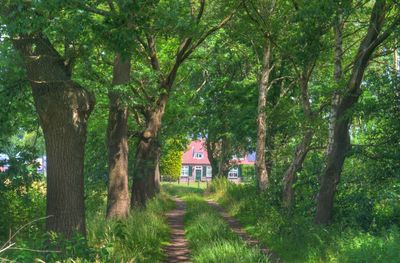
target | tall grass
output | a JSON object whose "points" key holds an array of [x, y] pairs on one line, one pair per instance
{"points": [[296, 239], [139, 238], [211, 239]]}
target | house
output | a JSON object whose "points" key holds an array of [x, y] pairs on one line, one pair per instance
{"points": [[197, 167], [4, 163]]}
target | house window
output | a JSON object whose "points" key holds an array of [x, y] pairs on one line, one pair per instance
{"points": [[233, 173], [185, 171], [198, 155], [209, 171]]}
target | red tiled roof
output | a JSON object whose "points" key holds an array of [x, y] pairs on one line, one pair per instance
{"points": [[198, 146]]}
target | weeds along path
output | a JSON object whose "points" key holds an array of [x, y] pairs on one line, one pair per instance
{"points": [[237, 228], [178, 250], [208, 234]]}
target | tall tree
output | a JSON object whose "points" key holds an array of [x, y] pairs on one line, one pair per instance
{"points": [[263, 14], [114, 26], [261, 166], [314, 20], [63, 107], [226, 99], [340, 119], [146, 168], [117, 137]]}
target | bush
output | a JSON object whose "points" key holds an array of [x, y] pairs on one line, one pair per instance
{"points": [[171, 160]]}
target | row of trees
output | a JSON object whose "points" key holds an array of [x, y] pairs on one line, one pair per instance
{"points": [[378, 25], [244, 74], [311, 54], [53, 40]]}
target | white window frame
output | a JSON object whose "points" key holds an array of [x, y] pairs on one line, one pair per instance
{"points": [[233, 173], [198, 155], [185, 171], [209, 171]]}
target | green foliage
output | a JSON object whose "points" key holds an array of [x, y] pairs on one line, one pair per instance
{"points": [[20, 205], [171, 160], [248, 173], [139, 238], [293, 236], [215, 97]]}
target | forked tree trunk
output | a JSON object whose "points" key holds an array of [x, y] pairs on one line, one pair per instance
{"points": [[117, 138], [289, 178], [339, 139], [303, 147], [261, 168], [63, 108], [146, 172]]}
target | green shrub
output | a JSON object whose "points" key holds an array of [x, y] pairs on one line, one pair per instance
{"points": [[171, 160]]}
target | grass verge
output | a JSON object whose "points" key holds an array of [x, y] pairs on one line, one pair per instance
{"points": [[209, 236], [139, 238], [296, 239]]}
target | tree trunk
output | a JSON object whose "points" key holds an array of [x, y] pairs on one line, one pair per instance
{"points": [[224, 158], [63, 108], [303, 147], [146, 173], [261, 168], [338, 147], [211, 148], [289, 178], [339, 139], [117, 137]]}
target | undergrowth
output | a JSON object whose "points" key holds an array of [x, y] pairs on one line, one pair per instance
{"points": [[296, 239], [139, 238]]}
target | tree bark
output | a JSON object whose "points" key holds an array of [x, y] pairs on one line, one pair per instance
{"points": [[224, 158], [63, 108], [339, 139], [303, 147], [295, 167], [146, 173], [261, 168], [117, 137], [211, 152]]}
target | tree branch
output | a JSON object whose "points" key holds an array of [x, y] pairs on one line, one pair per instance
{"points": [[95, 10]]}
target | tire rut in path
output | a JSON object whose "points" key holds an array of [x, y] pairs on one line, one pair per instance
{"points": [[178, 250], [238, 229]]}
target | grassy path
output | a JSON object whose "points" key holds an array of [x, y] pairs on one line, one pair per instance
{"points": [[237, 228], [209, 236]]}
